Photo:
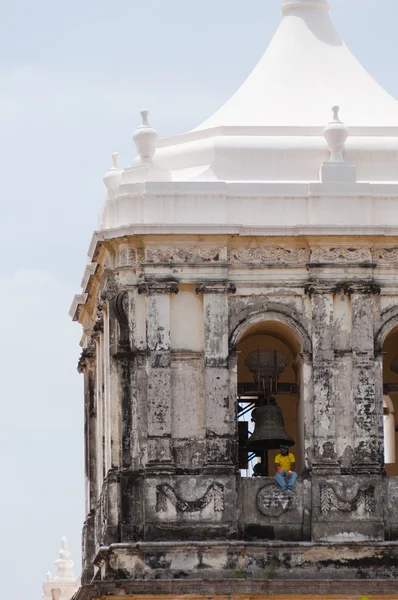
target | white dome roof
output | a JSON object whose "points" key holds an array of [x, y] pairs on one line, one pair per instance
{"points": [[307, 69], [272, 127]]}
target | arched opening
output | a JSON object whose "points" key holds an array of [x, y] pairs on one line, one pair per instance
{"points": [[390, 402], [269, 365]]}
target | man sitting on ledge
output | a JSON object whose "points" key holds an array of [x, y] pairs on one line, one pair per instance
{"points": [[285, 465]]}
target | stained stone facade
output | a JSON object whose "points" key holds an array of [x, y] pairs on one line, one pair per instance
{"points": [[192, 271], [160, 368]]}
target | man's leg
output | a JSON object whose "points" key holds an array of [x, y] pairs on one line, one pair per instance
{"points": [[280, 479], [291, 480]]}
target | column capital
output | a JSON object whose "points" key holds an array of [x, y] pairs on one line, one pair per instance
{"points": [[223, 287], [320, 287], [370, 288], [365, 287], [151, 288]]}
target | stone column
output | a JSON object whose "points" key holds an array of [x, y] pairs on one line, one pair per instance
{"points": [[325, 457], [159, 445], [366, 376], [220, 415]]}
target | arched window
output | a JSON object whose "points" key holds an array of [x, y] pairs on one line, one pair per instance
{"points": [[390, 402], [269, 365], [389, 430]]}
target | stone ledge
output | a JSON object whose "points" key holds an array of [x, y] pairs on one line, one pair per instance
{"points": [[234, 588], [214, 563]]}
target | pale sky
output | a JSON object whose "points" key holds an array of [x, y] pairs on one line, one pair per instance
{"points": [[73, 78]]}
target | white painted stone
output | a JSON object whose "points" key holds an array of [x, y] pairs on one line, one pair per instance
{"points": [[64, 584], [257, 159], [336, 169], [259, 221], [144, 168]]}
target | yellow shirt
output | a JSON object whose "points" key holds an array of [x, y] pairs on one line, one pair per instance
{"points": [[285, 462]]}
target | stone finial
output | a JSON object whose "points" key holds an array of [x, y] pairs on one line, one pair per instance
{"points": [[336, 134], [145, 139], [112, 177], [115, 160], [337, 169], [64, 564], [64, 584]]}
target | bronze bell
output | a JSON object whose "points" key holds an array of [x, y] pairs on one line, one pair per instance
{"points": [[269, 427]]}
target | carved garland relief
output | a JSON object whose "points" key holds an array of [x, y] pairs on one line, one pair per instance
{"points": [[385, 255], [195, 254], [269, 255], [166, 492], [331, 499], [257, 255], [337, 255]]}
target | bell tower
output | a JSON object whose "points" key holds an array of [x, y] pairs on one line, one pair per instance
{"points": [[215, 329]]}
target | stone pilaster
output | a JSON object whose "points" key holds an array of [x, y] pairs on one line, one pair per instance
{"points": [[121, 375], [159, 445], [306, 410], [233, 386], [325, 458], [100, 438], [366, 372], [87, 367], [220, 422], [343, 380]]}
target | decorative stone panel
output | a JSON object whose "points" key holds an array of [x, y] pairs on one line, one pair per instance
{"points": [[126, 257], [165, 493], [269, 255], [185, 254], [385, 255], [332, 500], [272, 501], [341, 255]]}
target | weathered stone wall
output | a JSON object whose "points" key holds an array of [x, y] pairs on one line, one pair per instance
{"points": [[162, 328]]}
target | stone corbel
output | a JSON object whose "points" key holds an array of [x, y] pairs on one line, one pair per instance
{"points": [[216, 288], [87, 354], [99, 319], [118, 305], [158, 287], [98, 326]]}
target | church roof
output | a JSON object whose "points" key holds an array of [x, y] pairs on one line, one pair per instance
{"points": [[272, 127], [282, 135], [306, 69]]}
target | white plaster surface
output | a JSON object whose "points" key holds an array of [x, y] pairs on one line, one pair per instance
{"points": [[272, 155], [64, 584]]}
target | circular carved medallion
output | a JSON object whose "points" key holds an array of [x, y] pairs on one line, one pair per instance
{"points": [[272, 501]]}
